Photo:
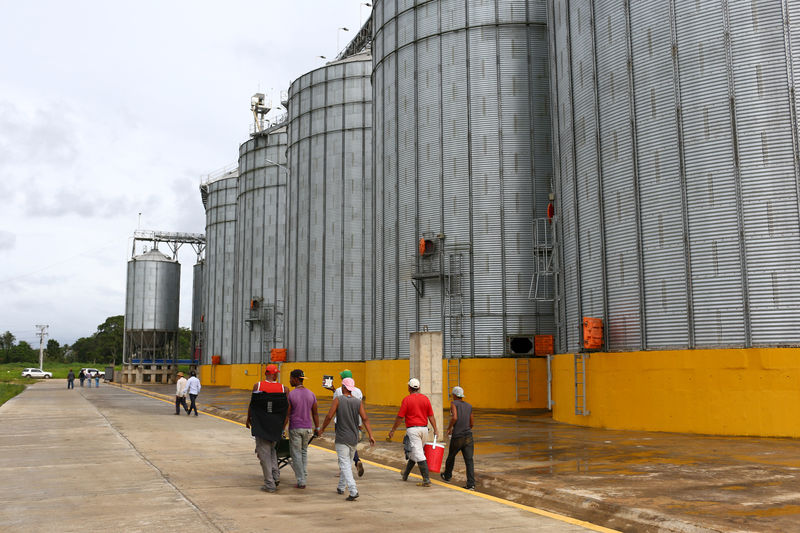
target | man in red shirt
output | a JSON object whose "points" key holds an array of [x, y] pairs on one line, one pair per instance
{"points": [[416, 411]]}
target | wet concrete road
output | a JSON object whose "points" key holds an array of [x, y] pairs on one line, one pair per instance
{"points": [[108, 459], [627, 480]]}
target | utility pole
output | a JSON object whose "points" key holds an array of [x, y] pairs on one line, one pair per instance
{"points": [[42, 334]]}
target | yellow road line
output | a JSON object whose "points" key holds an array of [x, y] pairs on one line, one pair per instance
{"points": [[527, 508]]}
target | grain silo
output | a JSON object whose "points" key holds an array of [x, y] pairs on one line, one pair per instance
{"points": [[197, 310], [329, 263], [463, 168], [219, 198], [151, 308], [677, 170], [260, 245]]}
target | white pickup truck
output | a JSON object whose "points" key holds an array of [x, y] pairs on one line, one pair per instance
{"points": [[92, 372]]}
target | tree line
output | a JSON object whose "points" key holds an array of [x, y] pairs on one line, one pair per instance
{"points": [[103, 346]]}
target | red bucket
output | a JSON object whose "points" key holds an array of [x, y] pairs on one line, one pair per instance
{"points": [[434, 453]]}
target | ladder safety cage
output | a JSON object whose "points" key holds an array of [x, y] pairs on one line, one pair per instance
{"points": [[542, 287]]}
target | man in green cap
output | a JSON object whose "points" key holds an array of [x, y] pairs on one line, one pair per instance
{"points": [[356, 394]]}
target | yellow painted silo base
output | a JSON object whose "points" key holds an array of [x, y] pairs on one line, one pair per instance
{"points": [[489, 382], [752, 392]]}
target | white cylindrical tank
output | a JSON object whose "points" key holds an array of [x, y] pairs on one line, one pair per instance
{"points": [[677, 171], [463, 163], [329, 262], [151, 304]]}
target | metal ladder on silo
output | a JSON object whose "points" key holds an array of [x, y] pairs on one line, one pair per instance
{"points": [[455, 306], [453, 374], [581, 407], [522, 378]]}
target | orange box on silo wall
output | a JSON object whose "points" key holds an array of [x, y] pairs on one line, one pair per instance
{"points": [[592, 333], [543, 345]]}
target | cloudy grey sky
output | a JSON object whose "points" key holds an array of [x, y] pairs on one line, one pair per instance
{"points": [[109, 109]]}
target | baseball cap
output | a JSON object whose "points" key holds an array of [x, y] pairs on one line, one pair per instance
{"points": [[458, 392], [349, 384], [271, 369], [413, 383], [345, 374], [297, 373]]}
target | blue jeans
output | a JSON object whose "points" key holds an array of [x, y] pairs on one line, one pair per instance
{"points": [[70, 383], [346, 479]]}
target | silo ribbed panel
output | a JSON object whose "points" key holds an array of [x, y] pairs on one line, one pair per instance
{"points": [[329, 307], [219, 270], [260, 246], [695, 120], [463, 158]]}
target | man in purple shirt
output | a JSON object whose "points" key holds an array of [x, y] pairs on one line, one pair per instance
{"points": [[302, 408]]}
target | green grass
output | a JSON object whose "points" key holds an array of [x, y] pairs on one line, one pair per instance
{"points": [[10, 372], [9, 390]]}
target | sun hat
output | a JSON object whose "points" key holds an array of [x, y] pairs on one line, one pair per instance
{"points": [[458, 392], [297, 373], [345, 374], [349, 384], [180, 374], [271, 369], [413, 383]]}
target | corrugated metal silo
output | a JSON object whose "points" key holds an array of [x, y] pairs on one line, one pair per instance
{"points": [[329, 263], [151, 305], [260, 245], [463, 161], [677, 171], [197, 310], [219, 198]]}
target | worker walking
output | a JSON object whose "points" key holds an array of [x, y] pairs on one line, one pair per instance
{"points": [[356, 394], [416, 411], [347, 409], [266, 417], [193, 390], [460, 427], [180, 394], [303, 422]]}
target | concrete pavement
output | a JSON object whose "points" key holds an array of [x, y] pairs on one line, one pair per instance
{"points": [[110, 459], [627, 480]]}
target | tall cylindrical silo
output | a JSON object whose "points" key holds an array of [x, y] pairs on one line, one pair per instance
{"points": [[463, 167], [329, 262], [151, 306], [260, 245], [197, 310], [219, 198], [677, 171]]}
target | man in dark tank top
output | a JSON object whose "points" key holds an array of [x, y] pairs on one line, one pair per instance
{"points": [[347, 409], [460, 432]]}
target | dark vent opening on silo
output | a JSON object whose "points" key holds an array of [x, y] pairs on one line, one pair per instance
{"points": [[520, 345]]}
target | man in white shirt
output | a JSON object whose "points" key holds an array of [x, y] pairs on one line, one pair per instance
{"points": [[180, 394], [356, 392], [193, 389]]}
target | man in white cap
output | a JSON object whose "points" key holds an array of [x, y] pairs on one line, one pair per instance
{"points": [[460, 431], [347, 409], [416, 411]]}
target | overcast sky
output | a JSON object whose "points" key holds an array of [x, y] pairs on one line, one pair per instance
{"points": [[109, 109]]}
